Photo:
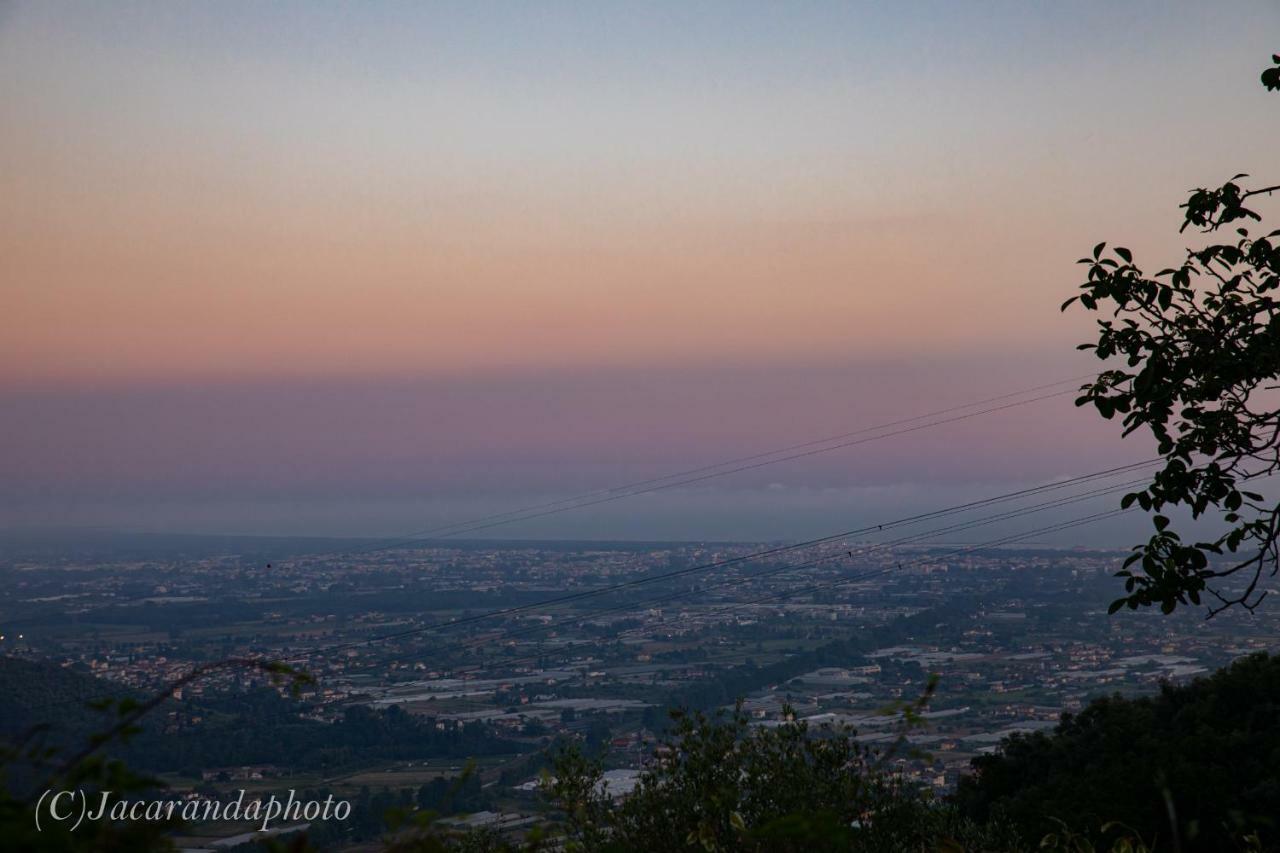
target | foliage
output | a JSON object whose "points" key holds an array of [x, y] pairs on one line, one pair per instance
{"points": [[89, 770], [84, 754], [1197, 353], [1196, 762], [93, 773], [722, 784], [255, 726]]}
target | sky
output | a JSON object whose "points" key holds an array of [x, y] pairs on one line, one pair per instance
{"points": [[359, 269]]}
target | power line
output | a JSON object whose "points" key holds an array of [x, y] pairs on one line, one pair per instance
{"points": [[570, 597], [781, 549], [877, 572], [702, 473], [707, 472], [993, 543], [856, 578], [842, 555]]}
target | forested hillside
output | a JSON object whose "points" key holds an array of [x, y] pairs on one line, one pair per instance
{"points": [[256, 727], [1198, 761]]}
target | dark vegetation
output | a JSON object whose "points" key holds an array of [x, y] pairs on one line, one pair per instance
{"points": [[1193, 356], [1196, 763], [1195, 768], [1190, 769], [721, 784], [244, 728]]}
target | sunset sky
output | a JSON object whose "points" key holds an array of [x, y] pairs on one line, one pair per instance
{"points": [[366, 267]]}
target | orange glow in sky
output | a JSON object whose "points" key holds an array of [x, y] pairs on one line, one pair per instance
{"points": [[690, 203]]}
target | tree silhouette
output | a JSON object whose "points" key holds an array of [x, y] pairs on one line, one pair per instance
{"points": [[1197, 354]]}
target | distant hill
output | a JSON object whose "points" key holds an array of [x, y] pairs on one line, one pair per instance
{"points": [[39, 693], [46, 705], [255, 726]]}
